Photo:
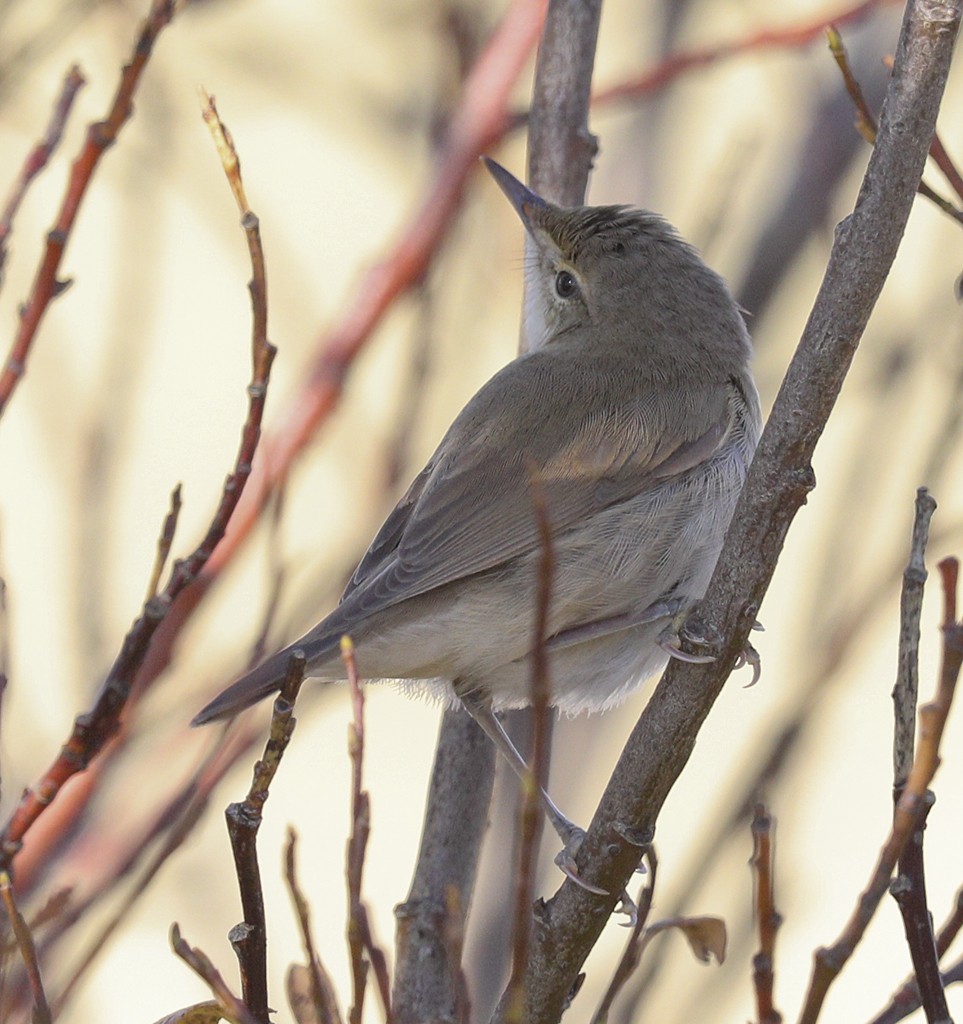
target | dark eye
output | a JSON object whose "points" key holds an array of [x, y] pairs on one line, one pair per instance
{"points": [[565, 284]]}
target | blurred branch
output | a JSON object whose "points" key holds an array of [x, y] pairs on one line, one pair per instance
{"points": [[792, 37], [100, 136], [866, 126], [37, 158], [28, 951], [536, 778], [778, 481], [323, 999]]}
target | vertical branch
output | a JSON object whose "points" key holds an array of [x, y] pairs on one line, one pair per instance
{"points": [[768, 918], [907, 674], [909, 888], [560, 146], [360, 940], [536, 779], [778, 481], [249, 938]]}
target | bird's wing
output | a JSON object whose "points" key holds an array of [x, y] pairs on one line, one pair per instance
{"points": [[471, 508]]}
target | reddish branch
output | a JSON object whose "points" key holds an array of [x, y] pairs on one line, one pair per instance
{"points": [[93, 729], [792, 37], [100, 136], [38, 156], [768, 918]]}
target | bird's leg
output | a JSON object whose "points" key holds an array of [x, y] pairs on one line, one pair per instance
{"points": [[570, 834], [669, 641]]}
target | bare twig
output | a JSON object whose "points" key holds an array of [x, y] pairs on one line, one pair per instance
{"points": [[360, 940], [779, 478], [92, 730], [632, 953], [37, 158], [323, 996], [911, 606], [768, 919], [790, 37], [100, 136], [909, 888], [249, 939], [164, 542], [536, 778], [28, 951], [172, 825], [906, 999], [428, 982], [866, 122], [910, 808], [200, 963]]}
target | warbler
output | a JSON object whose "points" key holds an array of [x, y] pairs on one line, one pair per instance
{"points": [[637, 415]]}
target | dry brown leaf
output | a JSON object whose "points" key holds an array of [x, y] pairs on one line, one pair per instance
{"points": [[208, 1012]]}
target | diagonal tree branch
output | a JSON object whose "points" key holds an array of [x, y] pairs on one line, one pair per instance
{"points": [[779, 480]]}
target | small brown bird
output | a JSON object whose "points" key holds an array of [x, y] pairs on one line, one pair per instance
{"points": [[636, 410]]}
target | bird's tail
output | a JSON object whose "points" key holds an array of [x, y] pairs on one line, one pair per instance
{"points": [[257, 684]]}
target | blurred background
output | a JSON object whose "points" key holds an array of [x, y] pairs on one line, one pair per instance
{"points": [[137, 382]]}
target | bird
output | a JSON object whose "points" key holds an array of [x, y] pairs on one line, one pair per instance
{"points": [[635, 414]]}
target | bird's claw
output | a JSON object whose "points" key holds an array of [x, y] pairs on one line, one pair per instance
{"points": [[669, 641], [750, 656], [565, 861], [627, 906]]}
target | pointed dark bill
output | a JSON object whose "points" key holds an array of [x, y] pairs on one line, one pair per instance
{"points": [[519, 195]]}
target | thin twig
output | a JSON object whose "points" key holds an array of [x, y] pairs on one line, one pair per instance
{"points": [[28, 951], [911, 607], [910, 808], [38, 157], [100, 136], [632, 954], [164, 543], [909, 888], [93, 729], [866, 122], [200, 963], [249, 939], [536, 778], [323, 995], [360, 939], [768, 919]]}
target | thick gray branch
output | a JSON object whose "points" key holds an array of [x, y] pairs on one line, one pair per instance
{"points": [[779, 479]]}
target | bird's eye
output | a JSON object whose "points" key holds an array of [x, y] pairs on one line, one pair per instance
{"points": [[565, 284]]}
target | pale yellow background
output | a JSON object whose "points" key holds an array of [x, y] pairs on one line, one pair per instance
{"points": [[140, 369]]}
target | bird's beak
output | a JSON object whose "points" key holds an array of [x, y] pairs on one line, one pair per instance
{"points": [[520, 196]]}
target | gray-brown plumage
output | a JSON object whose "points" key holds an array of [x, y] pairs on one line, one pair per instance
{"points": [[639, 415]]}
